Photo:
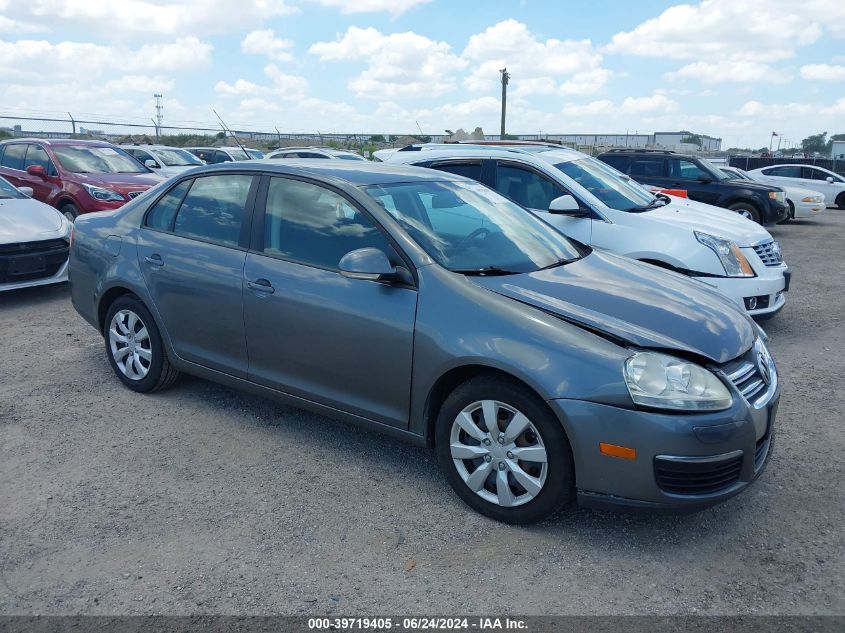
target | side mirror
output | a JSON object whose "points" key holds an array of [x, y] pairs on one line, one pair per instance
{"points": [[372, 264], [37, 170], [27, 191], [705, 180], [567, 205], [150, 163], [830, 179]]}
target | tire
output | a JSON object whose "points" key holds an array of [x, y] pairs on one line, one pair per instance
{"points": [[145, 367], [464, 448], [840, 201], [746, 210], [70, 211], [790, 214]]}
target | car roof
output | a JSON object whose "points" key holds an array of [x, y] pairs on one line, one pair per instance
{"points": [[544, 153], [353, 172], [150, 146], [60, 141]]}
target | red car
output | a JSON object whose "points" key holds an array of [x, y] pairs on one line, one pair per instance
{"points": [[75, 176]]}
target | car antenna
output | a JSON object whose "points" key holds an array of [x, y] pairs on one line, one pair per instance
{"points": [[234, 136]]}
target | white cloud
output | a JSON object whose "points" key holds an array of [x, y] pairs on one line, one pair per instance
{"points": [[837, 109], [398, 65], [652, 104], [140, 83], [394, 7], [531, 62], [775, 111], [823, 72], [282, 86], [265, 42], [730, 71], [749, 29], [161, 18]]}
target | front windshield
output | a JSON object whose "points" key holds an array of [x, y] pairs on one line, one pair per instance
{"points": [[607, 184], [177, 158], [7, 190], [349, 157], [736, 174], [255, 153], [87, 159], [471, 229], [714, 171]]}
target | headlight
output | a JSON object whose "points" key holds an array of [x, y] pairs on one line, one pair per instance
{"points": [[811, 199], [777, 195], [101, 193], [733, 261], [665, 382]]}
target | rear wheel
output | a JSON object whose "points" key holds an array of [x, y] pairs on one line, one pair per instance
{"points": [[840, 201], [746, 210], [70, 211], [504, 452], [134, 347]]}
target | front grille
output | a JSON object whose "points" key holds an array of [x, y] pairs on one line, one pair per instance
{"points": [[134, 194], [55, 254], [697, 475], [769, 253], [746, 377]]}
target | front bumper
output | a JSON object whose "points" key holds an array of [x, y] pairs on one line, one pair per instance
{"points": [[768, 288], [59, 277], [611, 482], [807, 209]]}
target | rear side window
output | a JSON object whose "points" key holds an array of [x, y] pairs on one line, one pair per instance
{"points": [[37, 155], [162, 214], [617, 162], [13, 157], [314, 225], [468, 169], [648, 167], [213, 209]]}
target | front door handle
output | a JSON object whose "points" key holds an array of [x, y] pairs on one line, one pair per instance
{"points": [[154, 259], [261, 285]]}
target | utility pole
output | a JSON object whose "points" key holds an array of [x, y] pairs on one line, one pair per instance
{"points": [[505, 77], [159, 115]]}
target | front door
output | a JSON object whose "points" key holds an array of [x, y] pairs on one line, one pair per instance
{"points": [[191, 250], [686, 174], [313, 333]]}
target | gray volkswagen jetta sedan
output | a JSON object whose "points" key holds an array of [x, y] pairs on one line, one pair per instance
{"points": [[426, 305]]}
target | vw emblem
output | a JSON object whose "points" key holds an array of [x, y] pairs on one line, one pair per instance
{"points": [[763, 366]]}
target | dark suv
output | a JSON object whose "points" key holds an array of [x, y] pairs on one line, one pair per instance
{"points": [[764, 204], [75, 176]]}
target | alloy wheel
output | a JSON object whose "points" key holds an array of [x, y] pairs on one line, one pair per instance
{"points": [[130, 345], [498, 453]]}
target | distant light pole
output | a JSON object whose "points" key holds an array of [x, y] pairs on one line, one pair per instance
{"points": [[159, 115], [505, 77]]}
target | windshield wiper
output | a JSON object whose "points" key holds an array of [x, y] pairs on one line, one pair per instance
{"points": [[654, 204], [560, 262], [487, 271]]}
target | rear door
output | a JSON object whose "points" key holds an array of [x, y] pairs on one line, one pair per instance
{"points": [[313, 333], [192, 249]]}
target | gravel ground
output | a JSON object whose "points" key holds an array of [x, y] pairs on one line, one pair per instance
{"points": [[204, 500]]}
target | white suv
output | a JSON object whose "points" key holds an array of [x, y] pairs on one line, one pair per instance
{"points": [[593, 203], [314, 152]]}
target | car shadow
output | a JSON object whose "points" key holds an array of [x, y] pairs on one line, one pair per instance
{"points": [[34, 295], [339, 441]]}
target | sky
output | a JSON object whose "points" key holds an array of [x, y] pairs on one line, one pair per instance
{"points": [[734, 69]]}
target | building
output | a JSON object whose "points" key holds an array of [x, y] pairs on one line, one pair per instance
{"points": [[837, 150]]}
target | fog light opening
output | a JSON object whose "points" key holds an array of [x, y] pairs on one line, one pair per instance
{"points": [[751, 303]]}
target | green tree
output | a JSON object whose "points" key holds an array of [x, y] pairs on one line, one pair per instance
{"points": [[815, 143], [377, 138]]}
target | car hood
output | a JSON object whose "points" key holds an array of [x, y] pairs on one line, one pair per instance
{"points": [[706, 218], [27, 220], [640, 304], [120, 182]]}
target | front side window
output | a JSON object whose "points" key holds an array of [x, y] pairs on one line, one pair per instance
{"points": [[13, 157], [7, 190], [87, 159], [314, 225], [818, 174], [525, 187], [213, 209], [468, 228], [37, 155], [606, 184], [686, 169]]}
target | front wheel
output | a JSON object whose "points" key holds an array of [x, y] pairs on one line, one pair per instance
{"points": [[746, 210], [840, 201], [503, 452], [134, 347], [70, 211]]}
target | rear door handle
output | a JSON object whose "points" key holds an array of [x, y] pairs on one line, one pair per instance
{"points": [[261, 285], [154, 259]]}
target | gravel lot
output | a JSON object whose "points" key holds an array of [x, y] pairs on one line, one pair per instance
{"points": [[204, 500]]}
